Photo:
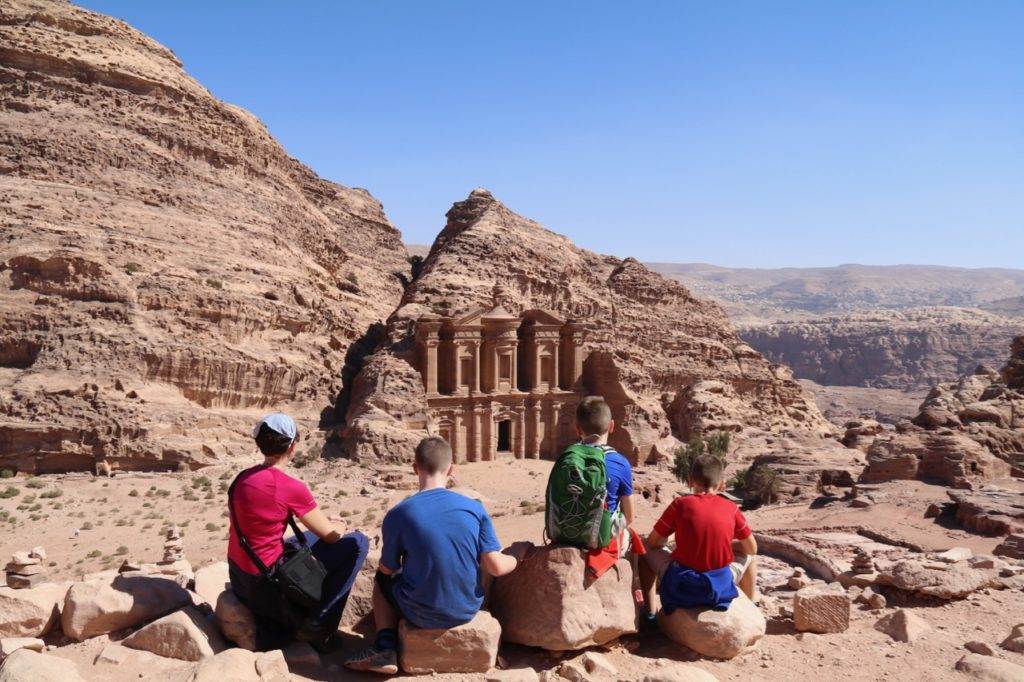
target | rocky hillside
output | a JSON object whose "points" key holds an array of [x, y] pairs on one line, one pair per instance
{"points": [[907, 350], [671, 364], [166, 269]]}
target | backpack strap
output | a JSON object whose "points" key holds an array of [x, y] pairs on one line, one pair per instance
{"points": [[263, 569]]}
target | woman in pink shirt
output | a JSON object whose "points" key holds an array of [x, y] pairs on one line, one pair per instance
{"points": [[263, 498]]}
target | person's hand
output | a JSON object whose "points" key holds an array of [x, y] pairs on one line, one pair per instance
{"points": [[518, 550]]}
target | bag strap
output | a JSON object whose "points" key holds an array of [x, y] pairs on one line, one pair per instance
{"points": [[266, 572]]}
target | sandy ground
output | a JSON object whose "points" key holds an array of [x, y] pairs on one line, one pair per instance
{"points": [[123, 517]]}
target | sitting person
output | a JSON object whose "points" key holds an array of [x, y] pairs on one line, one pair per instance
{"points": [[261, 501], [702, 570], [594, 424], [435, 543]]}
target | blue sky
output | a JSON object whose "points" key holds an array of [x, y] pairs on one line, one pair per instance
{"points": [[760, 134]]}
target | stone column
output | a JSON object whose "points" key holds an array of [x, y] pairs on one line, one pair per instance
{"points": [[477, 435], [458, 440], [457, 365], [554, 385], [431, 369], [474, 385], [515, 367], [533, 433], [535, 384], [519, 437]]}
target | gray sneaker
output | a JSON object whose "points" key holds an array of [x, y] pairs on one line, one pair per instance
{"points": [[374, 661]]}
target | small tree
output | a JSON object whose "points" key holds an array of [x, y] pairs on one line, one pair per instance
{"points": [[716, 445], [764, 483]]}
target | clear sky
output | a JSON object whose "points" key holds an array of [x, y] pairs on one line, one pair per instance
{"points": [[759, 134]]}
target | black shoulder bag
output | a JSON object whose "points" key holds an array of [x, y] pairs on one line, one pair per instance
{"points": [[297, 574]]}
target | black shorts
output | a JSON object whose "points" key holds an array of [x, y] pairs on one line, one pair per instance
{"points": [[387, 588]]}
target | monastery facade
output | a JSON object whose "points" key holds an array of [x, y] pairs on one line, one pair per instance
{"points": [[499, 383]]}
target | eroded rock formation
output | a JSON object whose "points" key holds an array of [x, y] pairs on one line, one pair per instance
{"points": [[911, 349], [671, 365], [164, 264]]}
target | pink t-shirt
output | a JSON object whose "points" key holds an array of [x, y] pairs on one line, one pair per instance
{"points": [[263, 497]]}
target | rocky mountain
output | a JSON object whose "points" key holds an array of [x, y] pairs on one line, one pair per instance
{"points": [[671, 364], [908, 349], [166, 269]]}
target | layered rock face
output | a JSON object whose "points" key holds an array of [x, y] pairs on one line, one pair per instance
{"points": [[906, 350], [166, 269], [670, 365]]}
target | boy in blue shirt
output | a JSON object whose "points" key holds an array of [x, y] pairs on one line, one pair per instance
{"points": [[435, 544]]}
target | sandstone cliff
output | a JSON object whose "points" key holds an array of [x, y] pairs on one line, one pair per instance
{"points": [[166, 269], [906, 350], [671, 365]]}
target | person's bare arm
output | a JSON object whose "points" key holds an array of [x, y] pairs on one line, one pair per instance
{"points": [[327, 529], [498, 564], [655, 540], [748, 545], [626, 506]]}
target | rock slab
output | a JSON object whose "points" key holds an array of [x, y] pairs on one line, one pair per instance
{"points": [[903, 626], [990, 669], [26, 665], [468, 648], [235, 620], [31, 613], [550, 602], [821, 609], [716, 634], [98, 607], [186, 635]]}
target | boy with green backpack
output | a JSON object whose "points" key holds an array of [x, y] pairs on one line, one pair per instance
{"points": [[589, 500]]}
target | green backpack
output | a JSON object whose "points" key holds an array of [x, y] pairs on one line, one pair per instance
{"points": [[575, 513]]}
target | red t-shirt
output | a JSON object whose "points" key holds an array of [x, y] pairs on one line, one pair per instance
{"points": [[705, 526], [263, 497]]}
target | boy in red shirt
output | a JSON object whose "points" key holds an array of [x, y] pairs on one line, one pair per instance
{"points": [[702, 570]]}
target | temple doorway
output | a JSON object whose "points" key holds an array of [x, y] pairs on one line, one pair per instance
{"points": [[505, 436]]}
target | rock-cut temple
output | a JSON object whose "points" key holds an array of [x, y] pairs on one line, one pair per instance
{"points": [[499, 383]]}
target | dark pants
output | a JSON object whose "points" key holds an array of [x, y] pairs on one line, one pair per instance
{"points": [[277, 620]]}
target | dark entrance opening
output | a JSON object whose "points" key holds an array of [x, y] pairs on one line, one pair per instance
{"points": [[505, 436]]}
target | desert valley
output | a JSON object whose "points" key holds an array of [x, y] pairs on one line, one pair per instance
{"points": [[169, 274]]}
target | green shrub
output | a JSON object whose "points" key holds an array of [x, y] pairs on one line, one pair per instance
{"points": [[214, 284], [351, 277], [716, 445], [739, 479], [6, 473], [51, 494], [133, 493], [9, 491], [132, 268], [212, 527], [94, 554], [87, 525], [121, 551], [34, 483]]}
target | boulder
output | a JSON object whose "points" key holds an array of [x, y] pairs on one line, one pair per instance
{"points": [[903, 626], [983, 648], [235, 620], [716, 634], [26, 665], [31, 613], [596, 663], [97, 607], [821, 608], [211, 580], [358, 614], [551, 602], [1015, 642], [468, 648], [271, 666], [237, 665], [952, 581], [8, 645], [990, 669], [951, 556], [1012, 546], [185, 634]]}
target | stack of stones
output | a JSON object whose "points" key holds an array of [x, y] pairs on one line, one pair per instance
{"points": [[799, 579], [173, 550], [26, 569], [862, 562]]}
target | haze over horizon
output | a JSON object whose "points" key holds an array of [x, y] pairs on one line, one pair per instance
{"points": [[745, 136]]}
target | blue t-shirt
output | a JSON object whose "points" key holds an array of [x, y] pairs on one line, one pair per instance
{"points": [[620, 478], [436, 538]]}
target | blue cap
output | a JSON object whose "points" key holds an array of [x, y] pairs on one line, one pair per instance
{"points": [[279, 422]]}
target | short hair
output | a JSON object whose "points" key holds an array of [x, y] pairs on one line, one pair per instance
{"points": [[706, 471], [271, 443], [433, 455], [593, 416]]}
